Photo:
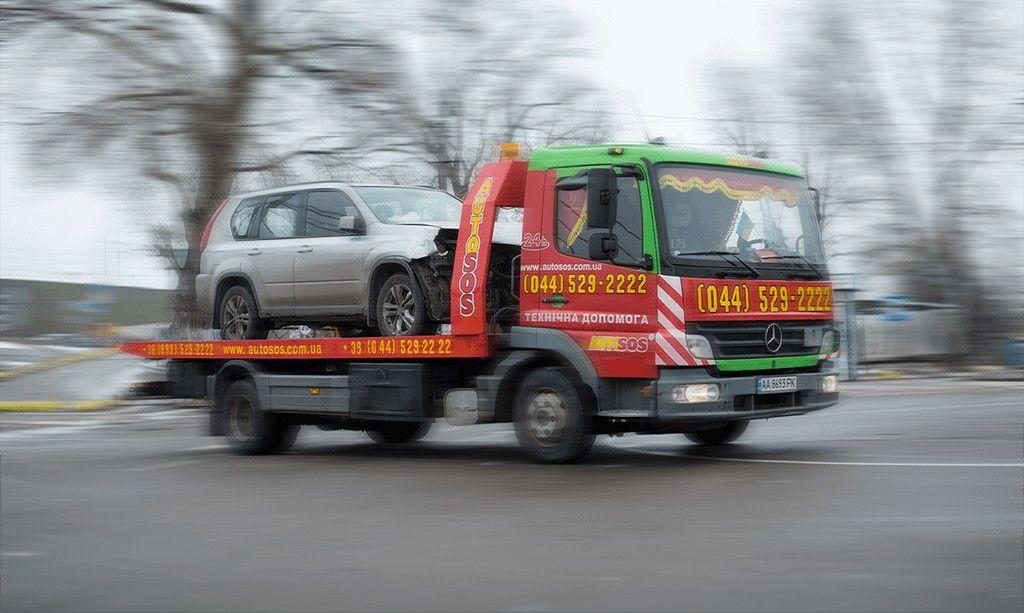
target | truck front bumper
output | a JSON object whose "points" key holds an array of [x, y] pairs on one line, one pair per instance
{"points": [[738, 398]]}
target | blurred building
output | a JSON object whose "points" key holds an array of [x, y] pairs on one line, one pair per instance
{"points": [[29, 308]]}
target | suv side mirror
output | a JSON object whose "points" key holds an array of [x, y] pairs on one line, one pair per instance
{"points": [[603, 246], [351, 224], [602, 193]]}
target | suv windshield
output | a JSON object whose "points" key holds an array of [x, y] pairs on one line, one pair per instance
{"points": [[763, 219], [398, 205]]}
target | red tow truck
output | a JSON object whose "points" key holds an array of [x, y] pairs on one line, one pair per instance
{"points": [[660, 290]]}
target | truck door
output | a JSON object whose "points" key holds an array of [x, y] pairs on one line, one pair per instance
{"points": [[607, 306], [329, 262]]}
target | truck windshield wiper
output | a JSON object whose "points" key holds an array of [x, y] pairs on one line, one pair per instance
{"points": [[804, 260], [722, 254]]}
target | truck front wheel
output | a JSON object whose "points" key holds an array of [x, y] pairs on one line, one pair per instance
{"points": [[719, 435], [250, 430], [553, 416]]}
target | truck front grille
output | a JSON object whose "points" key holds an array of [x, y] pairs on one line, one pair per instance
{"points": [[746, 339]]}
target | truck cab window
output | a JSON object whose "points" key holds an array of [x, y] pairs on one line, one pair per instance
{"points": [[572, 234]]}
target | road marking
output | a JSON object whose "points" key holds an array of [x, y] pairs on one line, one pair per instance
{"points": [[35, 406], [165, 465], [61, 361], [833, 462], [21, 554], [208, 448]]}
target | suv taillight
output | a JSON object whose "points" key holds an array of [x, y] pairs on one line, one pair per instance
{"points": [[209, 226]]}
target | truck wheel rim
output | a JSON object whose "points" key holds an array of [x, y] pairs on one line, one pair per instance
{"points": [[242, 418], [236, 317], [546, 417], [399, 309]]}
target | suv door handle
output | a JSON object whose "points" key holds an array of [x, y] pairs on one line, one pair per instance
{"points": [[304, 249], [254, 251]]}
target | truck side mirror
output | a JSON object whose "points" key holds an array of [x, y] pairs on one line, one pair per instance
{"points": [[815, 202], [602, 193], [603, 246]]}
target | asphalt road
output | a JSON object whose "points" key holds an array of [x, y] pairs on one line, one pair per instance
{"points": [[97, 379], [907, 496]]}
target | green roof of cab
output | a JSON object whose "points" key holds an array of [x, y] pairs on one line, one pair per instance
{"points": [[597, 155]]}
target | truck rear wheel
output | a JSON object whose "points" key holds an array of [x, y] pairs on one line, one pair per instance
{"points": [[398, 432], [553, 416], [718, 435], [250, 430]]}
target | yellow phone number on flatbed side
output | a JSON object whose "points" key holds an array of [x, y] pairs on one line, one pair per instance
{"points": [[393, 346]]}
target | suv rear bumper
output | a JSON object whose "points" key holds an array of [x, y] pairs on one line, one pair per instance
{"points": [[738, 397]]}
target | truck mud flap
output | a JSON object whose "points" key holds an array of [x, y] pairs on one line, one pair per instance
{"points": [[388, 392]]}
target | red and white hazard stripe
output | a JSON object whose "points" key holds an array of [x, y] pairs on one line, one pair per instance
{"points": [[670, 339]]}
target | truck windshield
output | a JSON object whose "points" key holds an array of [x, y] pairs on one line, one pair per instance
{"points": [[764, 219], [398, 205]]}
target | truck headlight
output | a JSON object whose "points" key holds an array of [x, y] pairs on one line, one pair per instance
{"points": [[695, 392], [829, 343], [699, 347], [830, 384]]}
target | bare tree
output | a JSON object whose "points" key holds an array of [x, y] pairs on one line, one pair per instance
{"points": [[918, 107], [180, 90], [480, 72]]}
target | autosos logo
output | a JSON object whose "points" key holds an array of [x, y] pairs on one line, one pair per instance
{"points": [[470, 260], [627, 344]]}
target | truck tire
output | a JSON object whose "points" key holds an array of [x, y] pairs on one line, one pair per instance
{"points": [[250, 430], [553, 416], [239, 316], [400, 309], [720, 434], [398, 432]]}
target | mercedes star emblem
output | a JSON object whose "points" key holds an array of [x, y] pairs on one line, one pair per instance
{"points": [[773, 338]]}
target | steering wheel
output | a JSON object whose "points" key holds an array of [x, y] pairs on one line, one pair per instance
{"points": [[746, 249]]}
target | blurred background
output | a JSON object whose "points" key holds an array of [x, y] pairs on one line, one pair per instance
{"points": [[125, 123]]}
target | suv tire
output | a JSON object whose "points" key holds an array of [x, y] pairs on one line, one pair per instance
{"points": [[239, 316], [400, 309]]}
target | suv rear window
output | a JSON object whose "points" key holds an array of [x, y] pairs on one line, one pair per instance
{"points": [[241, 219]]}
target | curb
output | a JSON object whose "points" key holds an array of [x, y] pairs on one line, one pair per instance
{"points": [[48, 364], [43, 406]]}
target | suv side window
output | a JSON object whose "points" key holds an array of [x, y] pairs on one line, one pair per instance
{"points": [[280, 217], [572, 235], [241, 219], [325, 212]]}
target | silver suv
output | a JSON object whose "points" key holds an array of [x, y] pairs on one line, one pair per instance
{"points": [[331, 253]]}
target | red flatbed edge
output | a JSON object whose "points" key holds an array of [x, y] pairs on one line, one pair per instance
{"points": [[361, 348]]}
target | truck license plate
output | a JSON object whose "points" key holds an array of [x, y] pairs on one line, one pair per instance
{"points": [[775, 385]]}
